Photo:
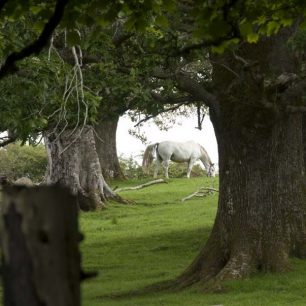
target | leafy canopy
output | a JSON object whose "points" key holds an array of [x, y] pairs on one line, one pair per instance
{"points": [[161, 32]]}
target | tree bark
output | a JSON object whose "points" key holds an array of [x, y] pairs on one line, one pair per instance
{"points": [[39, 244], [107, 149], [73, 162], [304, 141], [261, 213]]}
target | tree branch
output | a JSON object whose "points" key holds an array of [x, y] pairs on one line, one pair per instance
{"points": [[4, 141], [172, 99], [119, 39], [194, 88], [36, 46], [170, 109]]}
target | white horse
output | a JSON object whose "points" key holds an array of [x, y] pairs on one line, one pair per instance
{"points": [[178, 152]]}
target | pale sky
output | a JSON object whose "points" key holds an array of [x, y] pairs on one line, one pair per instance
{"points": [[128, 145]]}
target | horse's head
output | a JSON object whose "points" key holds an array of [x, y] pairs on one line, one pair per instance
{"points": [[211, 171]]}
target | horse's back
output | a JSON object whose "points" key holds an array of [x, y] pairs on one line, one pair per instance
{"points": [[178, 151]]}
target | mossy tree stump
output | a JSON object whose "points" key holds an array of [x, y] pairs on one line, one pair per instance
{"points": [[39, 242]]}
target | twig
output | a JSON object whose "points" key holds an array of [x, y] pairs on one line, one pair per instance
{"points": [[141, 186]]}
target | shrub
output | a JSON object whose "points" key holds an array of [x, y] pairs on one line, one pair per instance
{"points": [[132, 169], [23, 161]]}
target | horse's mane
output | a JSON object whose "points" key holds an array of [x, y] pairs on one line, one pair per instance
{"points": [[206, 155], [148, 157]]}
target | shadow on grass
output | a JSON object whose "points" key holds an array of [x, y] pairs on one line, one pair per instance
{"points": [[171, 250]]}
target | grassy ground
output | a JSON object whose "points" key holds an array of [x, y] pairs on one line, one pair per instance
{"points": [[155, 239]]}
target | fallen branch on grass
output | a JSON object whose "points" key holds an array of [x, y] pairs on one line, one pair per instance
{"points": [[202, 192], [141, 186]]}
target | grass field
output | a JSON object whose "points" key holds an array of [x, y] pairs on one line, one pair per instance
{"points": [[155, 239]]}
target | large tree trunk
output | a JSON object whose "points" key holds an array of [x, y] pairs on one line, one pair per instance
{"points": [[73, 162], [304, 141], [261, 213], [106, 148]]}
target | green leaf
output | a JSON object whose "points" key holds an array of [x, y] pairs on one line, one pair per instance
{"points": [[38, 26], [286, 22], [162, 21], [303, 25], [36, 9], [129, 25], [272, 27], [225, 45], [252, 38], [246, 28], [73, 38], [169, 5]]}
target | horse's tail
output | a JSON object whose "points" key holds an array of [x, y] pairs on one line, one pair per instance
{"points": [[148, 157]]}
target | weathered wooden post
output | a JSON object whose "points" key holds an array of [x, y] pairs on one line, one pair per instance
{"points": [[39, 245]]}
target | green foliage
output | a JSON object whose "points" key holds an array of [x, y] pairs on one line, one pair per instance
{"points": [[120, 77], [23, 161], [130, 168], [43, 96], [298, 42]]}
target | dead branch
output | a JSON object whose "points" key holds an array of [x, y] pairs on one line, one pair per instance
{"points": [[141, 186], [202, 192]]}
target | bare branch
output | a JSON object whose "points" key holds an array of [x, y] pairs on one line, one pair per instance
{"points": [[80, 87], [141, 186]]}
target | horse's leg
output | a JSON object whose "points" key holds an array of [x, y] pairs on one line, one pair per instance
{"points": [[157, 165], [166, 168], [190, 165]]}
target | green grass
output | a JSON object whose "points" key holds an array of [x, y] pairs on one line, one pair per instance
{"points": [[155, 239]]}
